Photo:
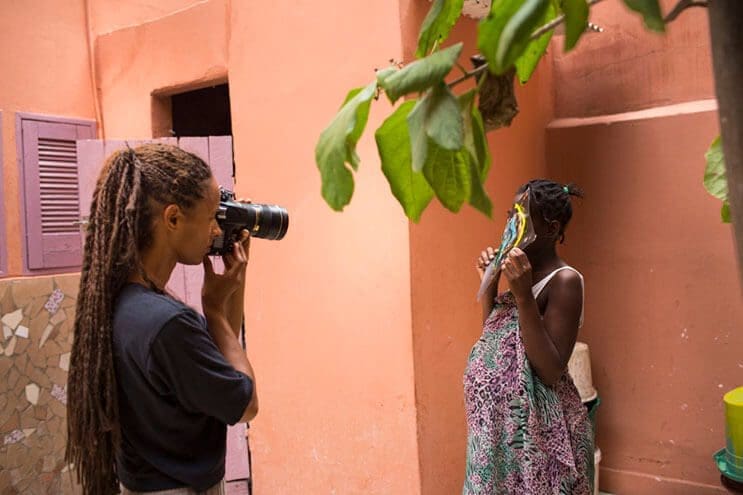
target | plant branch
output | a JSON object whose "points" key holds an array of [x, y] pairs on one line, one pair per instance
{"points": [[683, 5], [536, 34]]}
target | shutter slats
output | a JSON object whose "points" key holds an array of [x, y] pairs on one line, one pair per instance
{"points": [[60, 201]]}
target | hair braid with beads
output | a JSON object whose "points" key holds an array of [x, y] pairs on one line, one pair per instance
{"points": [[553, 200], [133, 185]]}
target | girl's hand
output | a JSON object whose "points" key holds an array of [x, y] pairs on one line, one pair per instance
{"points": [[229, 259], [218, 287], [484, 260], [517, 270]]}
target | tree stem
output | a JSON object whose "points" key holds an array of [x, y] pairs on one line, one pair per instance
{"points": [[683, 5], [536, 34], [727, 45]]}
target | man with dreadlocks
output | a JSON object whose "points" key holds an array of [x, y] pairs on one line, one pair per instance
{"points": [[152, 383], [528, 432]]}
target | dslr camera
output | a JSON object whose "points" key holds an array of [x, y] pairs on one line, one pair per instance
{"points": [[262, 221]]}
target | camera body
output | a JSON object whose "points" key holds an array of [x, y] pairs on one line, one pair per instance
{"points": [[261, 220]]}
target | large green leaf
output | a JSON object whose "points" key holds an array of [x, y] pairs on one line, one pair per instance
{"points": [[725, 212], [504, 34], [409, 187], [443, 118], [475, 152], [715, 180], [436, 116], [437, 24], [651, 13], [417, 134], [448, 173], [466, 104], [534, 51], [337, 146], [482, 149], [421, 74], [576, 21], [478, 197]]}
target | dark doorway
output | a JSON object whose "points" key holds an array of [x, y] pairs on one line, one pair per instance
{"points": [[203, 112]]}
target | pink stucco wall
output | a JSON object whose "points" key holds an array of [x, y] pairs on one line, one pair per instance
{"points": [[328, 307], [628, 67], [45, 70], [359, 324], [663, 305], [331, 319]]}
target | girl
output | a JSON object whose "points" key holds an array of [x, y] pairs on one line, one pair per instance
{"points": [[529, 433], [152, 384]]}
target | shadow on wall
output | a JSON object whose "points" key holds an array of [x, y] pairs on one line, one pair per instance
{"points": [[37, 318]]}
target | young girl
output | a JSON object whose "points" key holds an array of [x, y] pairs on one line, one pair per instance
{"points": [[152, 384], [529, 433]]}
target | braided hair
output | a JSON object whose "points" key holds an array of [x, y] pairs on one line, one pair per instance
{"points": [[553, 200], [132, 186]]}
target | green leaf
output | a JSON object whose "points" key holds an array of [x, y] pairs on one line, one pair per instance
{"points": [[436, 116], [417, 134], [534, 51], [421, 74], [466, 103], [383, 74], [337, 146], [478, 197], [715, 180], [443, 118], [448, 173], [576, 21], [362, 116], [482, 149], [475, 140], [650, 10], [437, 24], [475, 152], [409, 187], [725, 212], [504, 34]]}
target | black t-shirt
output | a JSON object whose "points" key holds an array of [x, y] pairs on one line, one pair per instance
{"points": [[177, 393]]}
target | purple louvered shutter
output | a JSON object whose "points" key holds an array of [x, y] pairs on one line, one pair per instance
{"points": [[49, 167]]}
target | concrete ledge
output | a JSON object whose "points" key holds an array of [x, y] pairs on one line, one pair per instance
{"points": [[622, 482], [686, 108]]}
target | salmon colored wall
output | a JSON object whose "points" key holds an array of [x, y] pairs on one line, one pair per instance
{"points": [[447, 320], [330, 326], [628, 67], [111, 15], [328, 307], [44, 70], [178, 52], [662, 300]]}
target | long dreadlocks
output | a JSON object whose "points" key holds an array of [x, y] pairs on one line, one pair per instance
{"points": [[133, 185]]}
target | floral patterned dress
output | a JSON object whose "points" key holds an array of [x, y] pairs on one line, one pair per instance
{"points": [[525, 438]]}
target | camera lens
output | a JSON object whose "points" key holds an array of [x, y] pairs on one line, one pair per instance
{"points": [[271, 222]]}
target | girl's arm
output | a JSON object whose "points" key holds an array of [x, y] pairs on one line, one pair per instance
{"points": [[548, 339], [488, 298]]}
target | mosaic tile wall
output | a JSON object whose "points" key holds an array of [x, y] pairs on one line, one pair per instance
{"points": [[37, 315]]}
